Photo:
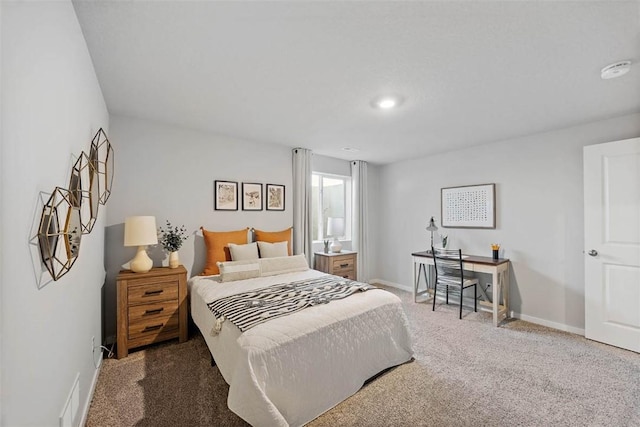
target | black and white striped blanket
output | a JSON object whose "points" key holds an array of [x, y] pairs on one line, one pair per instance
{"points": [[249, 309]]}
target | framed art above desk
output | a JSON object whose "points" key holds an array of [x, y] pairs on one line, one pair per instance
{"points": [[470, 206], [498, 303]]}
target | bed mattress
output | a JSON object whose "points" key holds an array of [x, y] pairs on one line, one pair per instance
{"points": [[291, 369]]}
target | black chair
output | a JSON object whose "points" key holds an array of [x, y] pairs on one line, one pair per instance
{"points": [[449, 273]]}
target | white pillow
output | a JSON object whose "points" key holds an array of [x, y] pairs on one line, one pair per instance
{"points": [[281, 265], [272, 250], [243, 252], [239, 270]]}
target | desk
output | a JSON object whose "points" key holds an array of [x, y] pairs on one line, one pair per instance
{"points": [[499, 270]]}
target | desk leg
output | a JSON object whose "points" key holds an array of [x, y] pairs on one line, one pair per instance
{"points": [[418, 268], [496, 297], [416, 277], [505, 291]]}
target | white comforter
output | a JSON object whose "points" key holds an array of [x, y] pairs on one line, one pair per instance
{"points": [[291, 369]]}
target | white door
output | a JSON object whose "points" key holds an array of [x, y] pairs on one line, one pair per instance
{"points": [[612, 243]]}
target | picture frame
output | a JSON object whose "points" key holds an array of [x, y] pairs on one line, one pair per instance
{"points": [[251, 196], [225, 195], [469, 206], [275, 197]]}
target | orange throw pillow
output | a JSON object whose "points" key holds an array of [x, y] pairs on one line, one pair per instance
{"points": [[275, 237], [217, 249]]}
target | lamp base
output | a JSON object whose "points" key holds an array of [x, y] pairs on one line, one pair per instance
{"points": [[336, 246], [141, 263]]}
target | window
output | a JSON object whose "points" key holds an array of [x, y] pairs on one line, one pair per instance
{"points": [[331, 198]]}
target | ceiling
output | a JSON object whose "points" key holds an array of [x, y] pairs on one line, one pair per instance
{"points": [[304, 74]]}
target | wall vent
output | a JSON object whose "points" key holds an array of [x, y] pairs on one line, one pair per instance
{"points": [[72, 405]]}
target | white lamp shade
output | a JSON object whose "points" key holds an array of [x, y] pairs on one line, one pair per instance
{"points": [[335, 227], [140, 231]]}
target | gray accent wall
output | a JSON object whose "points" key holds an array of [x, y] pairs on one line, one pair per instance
{"points": [[52, 106], [169, 172], [539, 209]]}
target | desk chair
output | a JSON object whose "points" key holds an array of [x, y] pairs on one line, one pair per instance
{"points": [[449, 273]]}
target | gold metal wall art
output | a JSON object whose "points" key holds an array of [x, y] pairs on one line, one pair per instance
{"points": [[86, 200], [101, 157], [70, 213], [60, 233]]}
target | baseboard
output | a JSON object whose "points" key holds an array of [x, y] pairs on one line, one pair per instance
{"points": [[532, 319], [92, 389], [391, 284], [548, 323]]}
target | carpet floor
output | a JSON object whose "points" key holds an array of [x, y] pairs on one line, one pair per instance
{"points": [[465, 373]]}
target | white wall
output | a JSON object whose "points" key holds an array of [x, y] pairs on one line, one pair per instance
{"points": [[539, 214], [51, 108], [1, 210], [169, 172], [330, 165]]}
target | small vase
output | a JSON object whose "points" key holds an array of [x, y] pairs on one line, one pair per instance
{"points": [[174, 261]]}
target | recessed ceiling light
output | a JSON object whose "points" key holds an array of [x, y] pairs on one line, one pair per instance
{"points": [[350, 150], [387, 102], [615, 70]]}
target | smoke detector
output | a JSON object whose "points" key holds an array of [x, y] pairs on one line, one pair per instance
{"points": [[615, 70]]}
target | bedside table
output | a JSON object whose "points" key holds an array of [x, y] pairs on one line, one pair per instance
{"points": [[152, 307], [342, 263]]}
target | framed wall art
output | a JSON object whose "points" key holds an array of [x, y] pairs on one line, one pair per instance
{"points": [[251, 196], [275, 197], [225, 195], [470, 206]]}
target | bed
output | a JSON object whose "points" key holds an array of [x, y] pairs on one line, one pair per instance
{"points": [[291, 369]]}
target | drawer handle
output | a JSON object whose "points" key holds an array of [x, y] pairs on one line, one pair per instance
{"points": [[152, 327], [155, 311], [159, 291], [344, 265]]}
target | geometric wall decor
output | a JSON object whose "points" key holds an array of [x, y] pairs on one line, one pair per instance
{"points": [[60, 233], [101, 158], [71, 212], [81, 195]]}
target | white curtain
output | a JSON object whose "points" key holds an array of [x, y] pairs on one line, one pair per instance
{"points": [[302, 203], [359, 221]]}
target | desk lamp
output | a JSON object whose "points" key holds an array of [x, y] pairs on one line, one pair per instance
{"points": [[140, 231], [432, 227]]}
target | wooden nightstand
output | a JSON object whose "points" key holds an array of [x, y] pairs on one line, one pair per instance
{"points": [[152, 307], [342, 264]]}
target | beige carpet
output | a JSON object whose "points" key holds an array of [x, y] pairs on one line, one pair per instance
{"points": [[465, 373]]}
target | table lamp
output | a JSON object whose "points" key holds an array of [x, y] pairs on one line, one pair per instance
{"points": [[335, 229], [140, 231], [432, 227]]}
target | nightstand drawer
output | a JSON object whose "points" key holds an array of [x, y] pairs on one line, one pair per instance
{"points": [[346, 273], [343, 263], [160, 290], [154, 328], [141, 313]]}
